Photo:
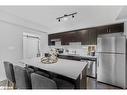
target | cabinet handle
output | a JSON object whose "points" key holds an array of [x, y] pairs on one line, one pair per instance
{"points": [[97, 62], [109, 30]]}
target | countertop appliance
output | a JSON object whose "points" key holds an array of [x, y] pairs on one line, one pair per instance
{"points": [[111, 60]]}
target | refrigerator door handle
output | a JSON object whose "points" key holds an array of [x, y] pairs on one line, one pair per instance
{"points": [[98, 61]]}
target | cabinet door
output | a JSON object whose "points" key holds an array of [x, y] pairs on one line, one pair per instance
{"points": [[64, 39], [53, 36], [92, 36], [79, 36], [84, 37], [102, 30], [49, 40], [72, 36], [116, 28]]}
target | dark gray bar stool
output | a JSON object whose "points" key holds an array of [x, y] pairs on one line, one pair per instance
{"points": [[63, 84], [9, 73], [41, 82], [22, 78]]}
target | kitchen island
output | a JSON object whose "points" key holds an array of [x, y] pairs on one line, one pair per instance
{"points": [[91, 60], [75, 70]]}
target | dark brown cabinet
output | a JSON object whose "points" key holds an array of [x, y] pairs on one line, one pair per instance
{"points": [[51, 38], [88, 37], [115, 28], [102, 30], [85, 36], [65, 39], [70, 37], [92, 36]]}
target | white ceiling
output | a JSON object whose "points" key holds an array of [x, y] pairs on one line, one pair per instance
{"points": [[122, 14], [87, 16]]}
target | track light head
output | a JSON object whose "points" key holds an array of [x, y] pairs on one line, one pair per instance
{"points": [[73, 16], [59, 20], [65, 15]]}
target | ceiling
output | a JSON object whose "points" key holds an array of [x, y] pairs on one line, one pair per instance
{"points": [[122, 14], [88, 16]]}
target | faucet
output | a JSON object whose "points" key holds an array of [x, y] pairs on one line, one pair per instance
{"points": [[75, 52]]}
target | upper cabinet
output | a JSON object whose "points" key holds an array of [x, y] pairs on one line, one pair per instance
{"points": [[86, 36], [92, 36], [68, 37], [115, 28], [52, 38]]}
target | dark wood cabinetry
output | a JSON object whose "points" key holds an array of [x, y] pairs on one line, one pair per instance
{"points": [[102, 30], [92, 36], [65, 39], [86, 36], [49, 40], [115, 28]]}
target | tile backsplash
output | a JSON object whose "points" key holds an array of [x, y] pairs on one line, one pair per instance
{"points": [[76, 48]]}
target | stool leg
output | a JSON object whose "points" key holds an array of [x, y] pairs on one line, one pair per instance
{"points": [[7, 83], [14, 86]]}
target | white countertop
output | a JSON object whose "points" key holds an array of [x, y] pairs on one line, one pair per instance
{"points": [[68, 68]]}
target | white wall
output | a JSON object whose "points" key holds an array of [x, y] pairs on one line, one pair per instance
{"points": [[11, 43], [14, 19]]}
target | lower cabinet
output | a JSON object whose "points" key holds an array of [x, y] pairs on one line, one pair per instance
{"points": [[70, 57]]}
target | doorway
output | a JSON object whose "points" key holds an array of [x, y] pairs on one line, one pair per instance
{"points": [[31, 45]]}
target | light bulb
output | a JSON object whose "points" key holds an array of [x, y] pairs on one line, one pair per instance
{"points": [[65, 18]]}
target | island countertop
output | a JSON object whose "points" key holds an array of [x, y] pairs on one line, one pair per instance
{"points": [[68, 68]]}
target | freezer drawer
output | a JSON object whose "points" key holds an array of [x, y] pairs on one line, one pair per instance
{"points": [[111, 69]]}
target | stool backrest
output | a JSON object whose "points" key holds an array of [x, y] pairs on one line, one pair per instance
{"points": [[9, 71], [22, 78], [41, 82]]}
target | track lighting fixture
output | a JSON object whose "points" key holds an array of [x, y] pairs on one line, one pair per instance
{"points": [[65, 17], [72, 16]]}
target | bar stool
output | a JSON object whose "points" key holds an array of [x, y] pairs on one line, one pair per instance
{"points": [[9, 73], [22, 78], [41, 82]]}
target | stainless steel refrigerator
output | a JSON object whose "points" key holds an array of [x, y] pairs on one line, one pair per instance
{"points": [[111, 60]]}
